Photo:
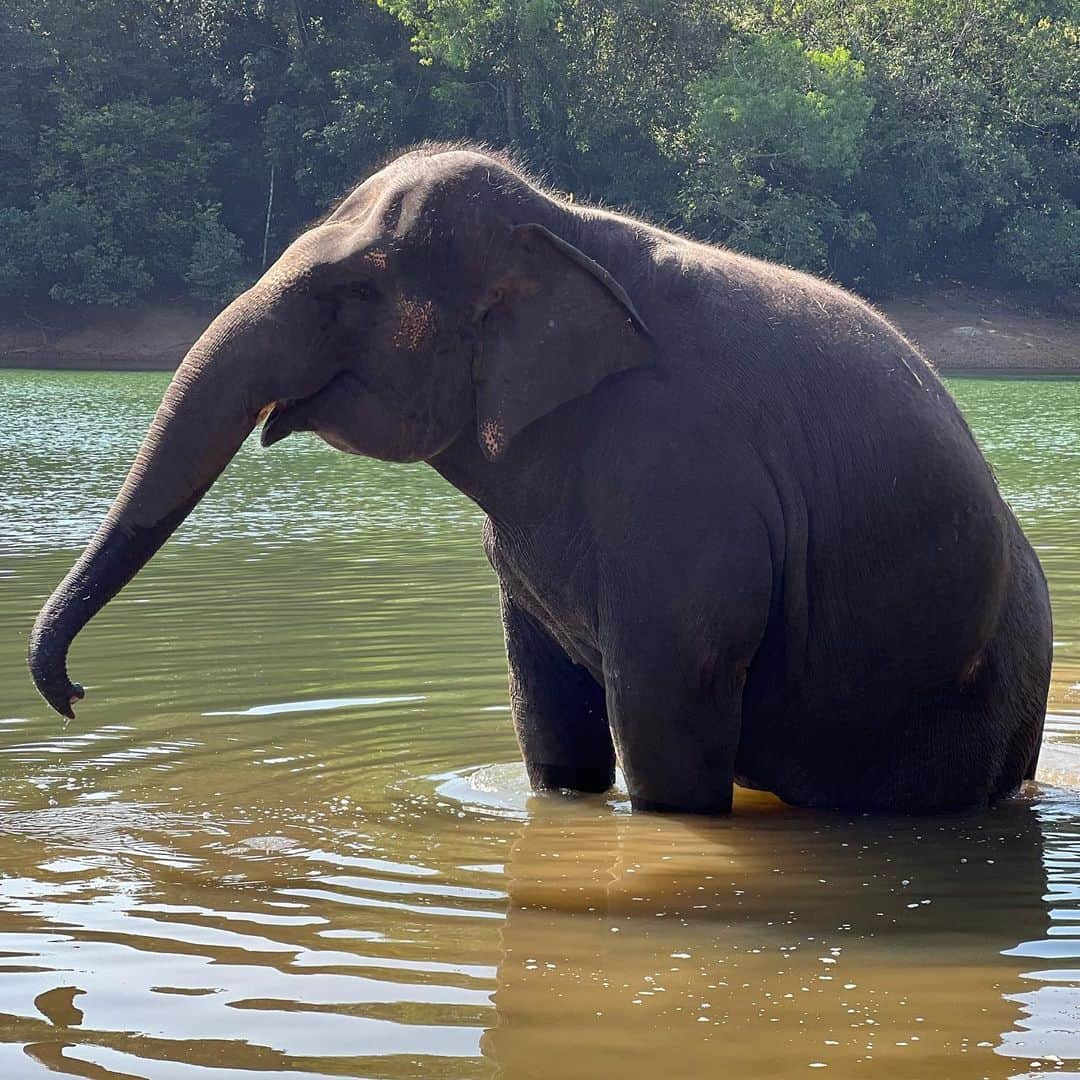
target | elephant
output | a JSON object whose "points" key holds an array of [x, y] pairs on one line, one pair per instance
{"points": [[741, 530]]}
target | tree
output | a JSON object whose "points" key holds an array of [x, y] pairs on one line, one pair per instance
{"points": [[875, 140], [776, 131]]}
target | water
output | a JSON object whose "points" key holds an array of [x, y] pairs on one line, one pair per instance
{"points": [[287, 834]]}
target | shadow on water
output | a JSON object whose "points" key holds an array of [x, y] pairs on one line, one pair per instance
{"points": [[140, 943], [780, 941]]}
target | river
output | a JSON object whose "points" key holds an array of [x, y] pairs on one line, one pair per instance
{"points": [[288, 835]]}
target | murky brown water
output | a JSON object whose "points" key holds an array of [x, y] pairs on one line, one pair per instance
{"points": [[288, 835]]}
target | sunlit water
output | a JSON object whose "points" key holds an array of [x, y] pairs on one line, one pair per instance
{"points": [[287, 834]]}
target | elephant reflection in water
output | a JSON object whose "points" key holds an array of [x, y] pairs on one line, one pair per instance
{"points": [[664, 947]]}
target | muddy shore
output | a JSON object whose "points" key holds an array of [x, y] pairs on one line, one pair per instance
{"points": [[960, 328]]}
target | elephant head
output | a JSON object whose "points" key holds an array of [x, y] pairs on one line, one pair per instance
{"points": [[442, 300]]}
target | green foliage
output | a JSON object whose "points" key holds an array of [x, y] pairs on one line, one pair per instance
{"points": [[977, 112], [493, 34], [142, 168], [81, 255], [875, 140], [776, 131], [65, 249], [1042, 245], [216, 268]]}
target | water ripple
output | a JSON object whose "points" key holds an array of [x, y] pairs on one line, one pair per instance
{"points": [[268, 846]]}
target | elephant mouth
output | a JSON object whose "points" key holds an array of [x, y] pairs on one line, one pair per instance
{"points": [[282, 417], [352, 417], [274, 427]]}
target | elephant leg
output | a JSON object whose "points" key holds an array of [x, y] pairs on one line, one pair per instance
{"points": [[676, 741], [674, 691], [679, 628], [558, 710]]}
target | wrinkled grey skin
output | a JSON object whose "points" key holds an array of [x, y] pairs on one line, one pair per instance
{"points": [[742, 531]]}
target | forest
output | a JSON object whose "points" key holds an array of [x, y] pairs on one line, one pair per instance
{"points": [[171, 148]]}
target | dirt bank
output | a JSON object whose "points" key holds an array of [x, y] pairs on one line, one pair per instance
{"points": [[959, 327], [963, 328], [150, 338]]}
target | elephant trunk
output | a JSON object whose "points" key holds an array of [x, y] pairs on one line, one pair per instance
{"points": [[211, 405]]}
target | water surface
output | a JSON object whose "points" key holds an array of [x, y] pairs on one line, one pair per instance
{"points": [[287, 835]]}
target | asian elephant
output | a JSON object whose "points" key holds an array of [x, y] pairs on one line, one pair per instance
{"points": [[742, 532]]}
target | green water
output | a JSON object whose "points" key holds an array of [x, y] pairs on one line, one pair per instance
{"points": [[287, 834]]}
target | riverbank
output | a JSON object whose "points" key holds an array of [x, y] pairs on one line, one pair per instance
{"points": [[965, 328], [959, 327], [152, 337]]}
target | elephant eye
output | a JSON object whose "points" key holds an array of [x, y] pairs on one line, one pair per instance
{"points": [[347, 302], [356, 290]]}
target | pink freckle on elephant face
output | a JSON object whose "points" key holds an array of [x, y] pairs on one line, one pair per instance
{"points": [[416, 323], [491, 437]]}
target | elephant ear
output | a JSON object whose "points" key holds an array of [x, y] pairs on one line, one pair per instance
{"points": [[554, 325]]}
